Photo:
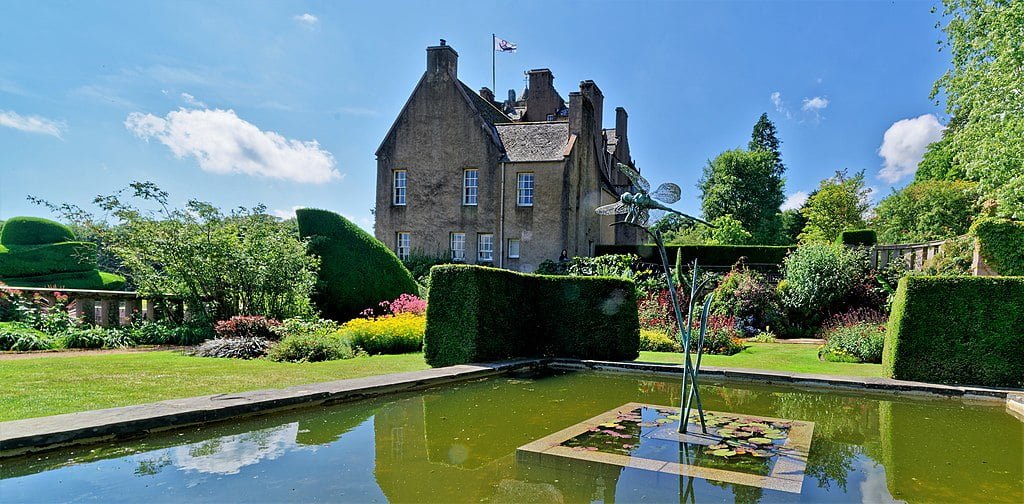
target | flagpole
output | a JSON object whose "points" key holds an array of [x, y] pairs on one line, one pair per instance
{"points": [[492, 65]]}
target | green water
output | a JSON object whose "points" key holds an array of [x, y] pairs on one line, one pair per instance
{"points": [[457, 444]]}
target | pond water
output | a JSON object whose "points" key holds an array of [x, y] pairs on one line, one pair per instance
{"points": [[458, 444]]}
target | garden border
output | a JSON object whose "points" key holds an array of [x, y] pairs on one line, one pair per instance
{"points": [[18, 437]]}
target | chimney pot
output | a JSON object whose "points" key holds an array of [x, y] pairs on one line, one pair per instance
{"points": [[443, 58]]}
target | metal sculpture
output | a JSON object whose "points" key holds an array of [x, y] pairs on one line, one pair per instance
{"points": [[637, 206]]}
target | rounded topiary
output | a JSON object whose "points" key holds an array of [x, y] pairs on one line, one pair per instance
{"points": [[34, 231], [356, 270]]}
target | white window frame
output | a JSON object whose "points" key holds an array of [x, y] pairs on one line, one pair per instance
{"points": [[399, 187], [518, 245], [457, 246], [470, 193], [525, 184], [402, 251], [485, 247]]}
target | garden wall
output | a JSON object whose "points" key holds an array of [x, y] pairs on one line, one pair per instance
{"points": [[479, 314], [957, 330]]}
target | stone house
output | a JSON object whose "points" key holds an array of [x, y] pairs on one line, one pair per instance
{"points": [[507, 184]]}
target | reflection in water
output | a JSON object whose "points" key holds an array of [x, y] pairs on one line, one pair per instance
{"points": [[457, 444]]}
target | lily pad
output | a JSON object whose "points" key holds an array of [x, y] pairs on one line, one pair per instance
{"points": [[723, 453], [760, 440]]}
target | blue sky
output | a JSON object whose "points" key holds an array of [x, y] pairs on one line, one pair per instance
{"points": [[94, 95]]}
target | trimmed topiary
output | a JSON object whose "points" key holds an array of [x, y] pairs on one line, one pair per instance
{"points": [[356, 270], [34, 231], [957, 330], [481, 314], [857, 238], [36, 252]]}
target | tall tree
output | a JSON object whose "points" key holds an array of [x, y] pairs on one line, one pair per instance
{"points": [[838, 204], [983, 90], [926, 210], [745, 185], [765, 137]]}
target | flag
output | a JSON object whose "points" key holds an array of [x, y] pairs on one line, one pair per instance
{"points": [[502, 45]]}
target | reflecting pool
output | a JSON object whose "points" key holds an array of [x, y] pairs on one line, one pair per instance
{"points": [[458, 444]]}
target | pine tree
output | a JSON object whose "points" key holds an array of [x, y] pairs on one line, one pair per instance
{"points": [[765, 137]]}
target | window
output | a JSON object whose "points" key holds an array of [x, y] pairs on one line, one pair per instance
{"points": [[402, 245], [485, 248], [399, 187], [513, 249], [470, 186], [524, 189], [458, 246]]}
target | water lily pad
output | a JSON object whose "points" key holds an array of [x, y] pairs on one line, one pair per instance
{"points": [[760, 440], [723, 453], [719, 446], [761, 453]]}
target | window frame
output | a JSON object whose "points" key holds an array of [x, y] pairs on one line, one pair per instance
{"points": [[519, 246], [466, 196], [521, 194], [399, 198], [480, 248], [398, 244], [451, 246]]}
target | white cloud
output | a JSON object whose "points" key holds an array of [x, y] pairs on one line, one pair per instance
{"points": [[780, 106], [307, 19], [224, 143], [286, 214], [32, 124], [191, 100], [794, 201], [814, 104], [904, 144]]}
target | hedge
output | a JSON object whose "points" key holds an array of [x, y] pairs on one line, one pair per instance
{"points": [[1002, 244], [957, 330], [66, 257], [92, 279], [356, 270], [707, 255], [479, 314], [34, 231], [857, 237]]}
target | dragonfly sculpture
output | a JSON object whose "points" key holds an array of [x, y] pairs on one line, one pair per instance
{"points": [[637, 206]]}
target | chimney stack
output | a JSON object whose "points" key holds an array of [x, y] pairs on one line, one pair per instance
{"points": [[442, 58], [487, 94], [620, 122], [542, 100], [596, 97]]}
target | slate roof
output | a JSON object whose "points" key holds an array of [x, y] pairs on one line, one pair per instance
{"points": [[489, 112], [534, 141]]}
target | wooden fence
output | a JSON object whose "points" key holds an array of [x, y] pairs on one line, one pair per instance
{"points": [[108, 308]]}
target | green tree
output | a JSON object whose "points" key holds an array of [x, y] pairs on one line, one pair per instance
{"points": [[765, 137], [927, 210], [793, 223], [839, 203], [745, 185], [983, 90], [728, 231]]}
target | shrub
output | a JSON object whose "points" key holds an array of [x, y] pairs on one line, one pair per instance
{"points": [[191, 333], [483, 314], [34, 231], [406, 303], [246, 326], [21, 337], [858, 342], [655, 311], [819, 276], [721, 336], [1001, 244], [402, 333], [957, 330], [658, 341], [852, 317], [356, 270], [746, 296], [311, 347], [95, 337], [765, 337], [857, 237], [238, 347], [954, 258], [298, 326], [146, 332]]}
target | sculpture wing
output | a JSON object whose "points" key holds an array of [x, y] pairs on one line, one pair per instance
{"points": [[667, 192], [635, 177], [612, 209], [695, 219]]}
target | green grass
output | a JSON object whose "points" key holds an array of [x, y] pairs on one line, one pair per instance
{"points": [[795, 358], [54, 385]]}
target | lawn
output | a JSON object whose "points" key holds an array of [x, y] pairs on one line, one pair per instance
{"points": [[50, 386], [796, 358]]}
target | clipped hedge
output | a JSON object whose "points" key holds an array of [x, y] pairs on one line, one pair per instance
{"points": [[93, 279], [34, 231], [356, 270], [707, 255], [857, 237], [481, 314], [32, 260], [1002, 244], [957, 330]]}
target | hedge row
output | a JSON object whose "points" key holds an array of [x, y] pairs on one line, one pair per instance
{"points": [[37, 252], [66, 257], [957, 330], [479, 314], [857, 237], [707, 255], [356, 270], [1002, 244]]}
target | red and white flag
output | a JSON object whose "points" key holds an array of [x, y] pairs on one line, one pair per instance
{"points": [[502, 45]]}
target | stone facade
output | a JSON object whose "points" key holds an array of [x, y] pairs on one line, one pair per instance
{"points": [[541, 166]]}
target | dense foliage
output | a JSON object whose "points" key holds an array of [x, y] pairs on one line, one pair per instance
{"points": [[838, 203], [395, 334], [859, 342], [927, 210], [748, 186], [1002, 244], [652, 340], [819, 277], [752, 301], [967, 330], [480, 314], [37, 252], [954, 258], [247, 326], [311, 347], [857, 237], [356, 270], [22, 337], [728, 231], [244, 347]]}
